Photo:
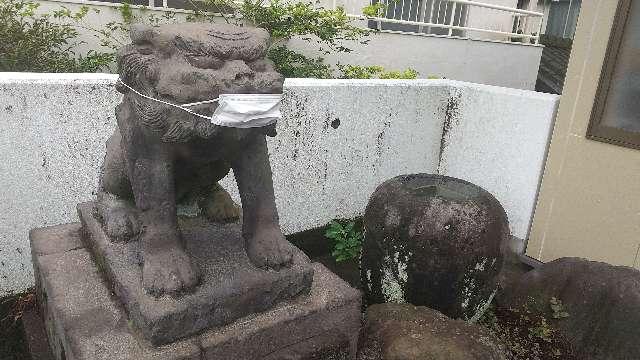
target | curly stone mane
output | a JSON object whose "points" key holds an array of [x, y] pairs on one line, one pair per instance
{"points": [[140, 66]]}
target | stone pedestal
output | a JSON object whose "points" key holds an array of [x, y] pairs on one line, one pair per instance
{"points": [[231, 287], [85, 319]]}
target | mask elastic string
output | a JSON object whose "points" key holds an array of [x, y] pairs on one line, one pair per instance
{"points": [[181, 107]]}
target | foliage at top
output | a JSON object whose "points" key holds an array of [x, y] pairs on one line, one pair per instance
{"points": [[374, 10], [375, 71], [285, 20], [43, 42], [346, 239], [46, 42]]}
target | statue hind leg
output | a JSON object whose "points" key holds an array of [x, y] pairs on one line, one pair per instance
{"points": [[115, 207]]}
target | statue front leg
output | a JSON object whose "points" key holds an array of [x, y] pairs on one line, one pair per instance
{"points": [[264, 242], [167, 268]]}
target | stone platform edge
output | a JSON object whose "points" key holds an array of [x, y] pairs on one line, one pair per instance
{"points": [[84, 320], [232, 287]]}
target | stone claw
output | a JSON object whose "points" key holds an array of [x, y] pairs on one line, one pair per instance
{"points": [[168, 272], [268, 249], [120, 221]]}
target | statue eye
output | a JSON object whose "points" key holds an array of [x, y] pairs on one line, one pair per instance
{"points": [[205, 61], [144, 48]]}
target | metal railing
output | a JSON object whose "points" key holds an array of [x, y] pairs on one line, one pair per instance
{"points": [[438, 17], [451, 18]]}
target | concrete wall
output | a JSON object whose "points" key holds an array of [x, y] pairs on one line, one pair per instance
{"points": [[53, 128], [590, 199], [487, 62]]}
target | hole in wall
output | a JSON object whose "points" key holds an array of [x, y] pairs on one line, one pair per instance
{"points": [[335, 123]]}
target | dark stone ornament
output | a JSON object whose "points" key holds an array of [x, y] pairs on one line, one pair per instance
{"points": [[159, 155], [433, 240]]}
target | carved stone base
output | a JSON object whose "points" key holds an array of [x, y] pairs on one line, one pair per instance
{"points": [[85, 320], [231, 286]]}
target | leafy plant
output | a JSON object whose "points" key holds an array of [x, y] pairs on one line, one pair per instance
{"points": [[557, 309], [374, 10], [293, 64], [359, 72], [406, 74], [346, 238], [542, 330], [527, 332], [284, 20], [375, 71], [44, 42], [47, 42]]}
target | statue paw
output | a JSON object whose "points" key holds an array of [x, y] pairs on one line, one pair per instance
{"points": [[218, 206], [269, 249], [168, 271], [120, 222]]}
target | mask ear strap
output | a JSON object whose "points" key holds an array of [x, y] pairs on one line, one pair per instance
{"points": [[200, 102], [181, 107]]}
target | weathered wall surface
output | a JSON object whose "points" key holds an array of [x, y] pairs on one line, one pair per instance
{"points": [[53, 128], [497, 138]]}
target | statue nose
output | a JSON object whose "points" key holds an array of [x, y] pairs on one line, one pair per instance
{"points": [[242, 70]]}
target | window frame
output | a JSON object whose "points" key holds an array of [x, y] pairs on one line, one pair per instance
{"points": [[597, 130]]}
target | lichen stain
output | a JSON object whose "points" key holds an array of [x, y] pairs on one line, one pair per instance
{"points": [[394, 274], [451, 118], [380, 137]]}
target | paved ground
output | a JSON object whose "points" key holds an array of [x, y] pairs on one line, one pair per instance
{"points": [[553, 68]]}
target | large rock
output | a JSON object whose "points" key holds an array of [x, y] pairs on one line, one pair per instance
{"points": [[602, 300], [433, 240], [407, 332]]}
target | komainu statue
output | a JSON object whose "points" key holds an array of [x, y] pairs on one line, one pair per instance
{"points": [[160, 154]]}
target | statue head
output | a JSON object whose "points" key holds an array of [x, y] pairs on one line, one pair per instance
{"points": [[184, 63]]}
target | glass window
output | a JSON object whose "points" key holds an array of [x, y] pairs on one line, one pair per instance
{"points": [[616, 113]]}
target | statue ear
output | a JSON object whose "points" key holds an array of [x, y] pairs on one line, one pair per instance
{"points": [[142, 33]]}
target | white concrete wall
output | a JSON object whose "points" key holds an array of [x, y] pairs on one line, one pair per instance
{"points": [[511, 65], [53, 128]]}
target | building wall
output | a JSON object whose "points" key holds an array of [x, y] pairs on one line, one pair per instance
{"points": [[505, 64], [589, 204], [562, 18], [491, 19], [53, 128], [493, 63]]}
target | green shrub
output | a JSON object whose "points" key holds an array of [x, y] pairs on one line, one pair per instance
{"points": [[374, 10], [46, 42], [346, 238], [375, 71], [43, 42], [295, 65]]}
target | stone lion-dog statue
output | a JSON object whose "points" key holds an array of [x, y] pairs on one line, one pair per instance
{"points": [[160, 155]]}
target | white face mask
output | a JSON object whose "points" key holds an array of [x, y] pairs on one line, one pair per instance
{"points": [[234, 110], [247, 110]]}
